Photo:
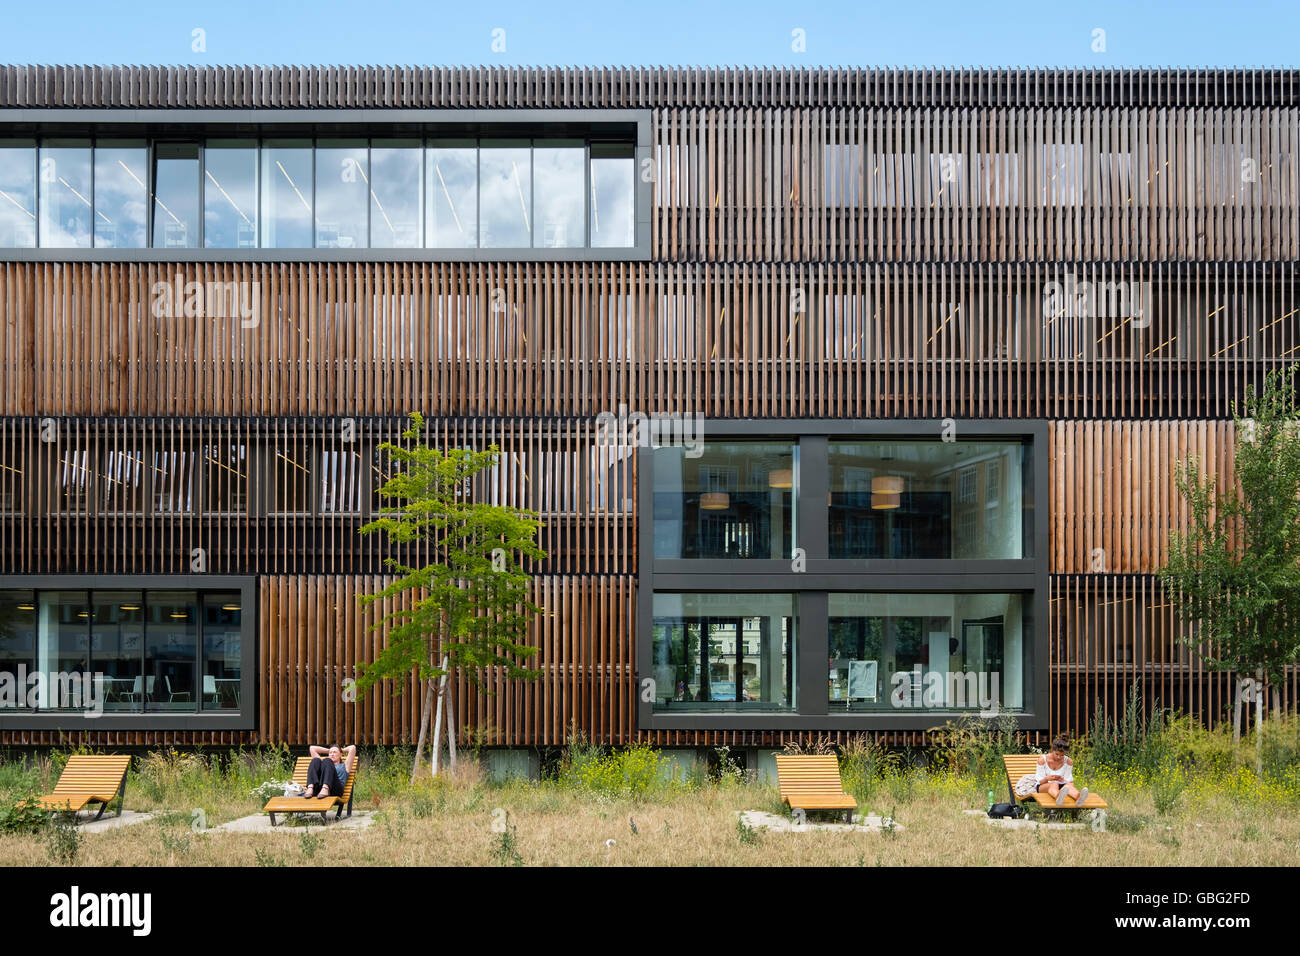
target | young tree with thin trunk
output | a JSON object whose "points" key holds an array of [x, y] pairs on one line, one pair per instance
{"points": [[468, 610], [1236, 569]]}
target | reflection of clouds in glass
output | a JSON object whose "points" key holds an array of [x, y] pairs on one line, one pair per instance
{"points": [[120, 198], [341, 194], [176, 203], [286, 198], [559, 197], [65, 197], [230, 198], [17, 197], [453, 201], [612, 203], [506, 197], [395, 198]]}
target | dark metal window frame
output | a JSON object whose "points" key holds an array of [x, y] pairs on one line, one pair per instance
{"points": [[67, 722], [823, 575], [198, 125]]}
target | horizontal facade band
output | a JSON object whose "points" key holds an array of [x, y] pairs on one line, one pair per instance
{"points": [[279, 496], [836, 341], [1107, 632], [428, 87]]}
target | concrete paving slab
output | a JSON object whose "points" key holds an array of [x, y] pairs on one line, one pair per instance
{"points": [[261, 823], [780, 822], [110, 822], [1006, 823]]}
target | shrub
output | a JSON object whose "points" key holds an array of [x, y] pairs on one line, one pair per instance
{"points": [[62, 838], [634, 772], [1134, 740], [747, 835], [1196, 748], [975, 747], [26, 816], [505, 845], [864, 763], [169, 773], [1167, 785]]}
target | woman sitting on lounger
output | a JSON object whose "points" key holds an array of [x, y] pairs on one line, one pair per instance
{"points": [[328, 773], [1055, 773]]}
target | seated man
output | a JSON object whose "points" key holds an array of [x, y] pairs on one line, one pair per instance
{"points": [[328, 773]]}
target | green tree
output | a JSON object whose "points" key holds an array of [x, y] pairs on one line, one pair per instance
{"points": [[1236, 569], [469, 608]]}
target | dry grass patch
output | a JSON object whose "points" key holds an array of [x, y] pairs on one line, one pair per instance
{"points": [[466, 822]]}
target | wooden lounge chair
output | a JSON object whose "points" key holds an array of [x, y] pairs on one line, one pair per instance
{"points": [[89, 778], [319, 805], [812, 782], [1017, 765]]}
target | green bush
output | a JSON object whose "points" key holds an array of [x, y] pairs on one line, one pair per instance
{"points": [[974, 747], [1136, 740], [635, 771], [1280, 744], [1167, 785], [26, 816], [1198, 749], [62, 838], [864, 764]]}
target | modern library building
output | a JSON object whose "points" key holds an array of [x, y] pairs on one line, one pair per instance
{"points": [[850, 400]]}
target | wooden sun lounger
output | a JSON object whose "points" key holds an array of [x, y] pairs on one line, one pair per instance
{"points": [[89, 778], [320, 805], [812, 782], [1017, 765]]}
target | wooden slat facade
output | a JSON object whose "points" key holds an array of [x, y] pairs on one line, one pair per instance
{"points": [[866, 244]]}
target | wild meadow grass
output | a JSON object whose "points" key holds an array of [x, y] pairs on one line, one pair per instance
{"points": [[1181, 800]]}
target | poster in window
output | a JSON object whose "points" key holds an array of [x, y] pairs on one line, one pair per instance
{"points": [[862, 680]]}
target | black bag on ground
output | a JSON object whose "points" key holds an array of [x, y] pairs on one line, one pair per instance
{"points": [[1005, 810]]}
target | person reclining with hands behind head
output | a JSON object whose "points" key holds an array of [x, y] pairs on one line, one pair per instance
{"points": [[328, 773], [1055, 774]]}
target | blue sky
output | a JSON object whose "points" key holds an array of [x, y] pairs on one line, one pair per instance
{"points": [[654, 32]]}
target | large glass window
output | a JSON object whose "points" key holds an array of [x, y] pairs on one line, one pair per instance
{"points": [[286, 194], [613, 196], [63, 647], [331, 193], [342, 194], [728, 652], [17, 194], [176, 196], [116, 648], [17, 637], [126, 651], [911, 499], [171, 649], [66, 211], [452, 187], [230, 194], [926, 652], [731, 500], [506, 193], [221, 652], [395, 194], [558, 199]]}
